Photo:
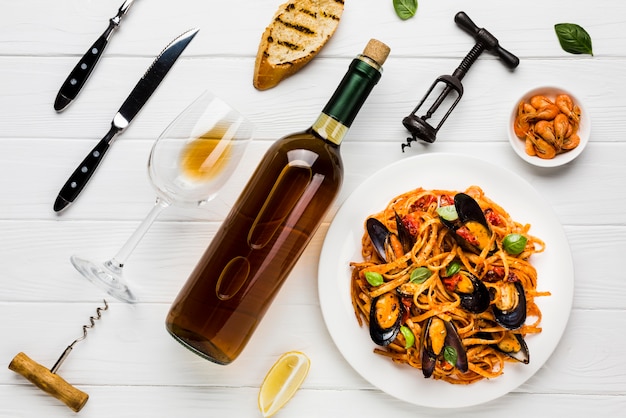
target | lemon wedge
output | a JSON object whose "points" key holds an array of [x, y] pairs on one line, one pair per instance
{"points": [[282, 381]]}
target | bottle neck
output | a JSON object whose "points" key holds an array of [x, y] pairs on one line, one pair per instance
{"points": [[339, 113]]}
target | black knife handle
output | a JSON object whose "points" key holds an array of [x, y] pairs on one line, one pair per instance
{"points": [[81, 72], [81, 176]]}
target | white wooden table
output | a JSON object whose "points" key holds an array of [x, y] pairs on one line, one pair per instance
{"points": [[128, 364]]}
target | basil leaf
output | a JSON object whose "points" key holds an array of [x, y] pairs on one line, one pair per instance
{"points": [[405, 9], [573, 38], [450, 355], [375, 279], [448, 213], [419, 275], [453, 268], [409, 338], [514, 243]]}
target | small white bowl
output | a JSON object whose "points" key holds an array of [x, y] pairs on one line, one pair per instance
{"points": [[584, 129]]}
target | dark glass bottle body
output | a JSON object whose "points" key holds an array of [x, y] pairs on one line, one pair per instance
{"points": [[267, 229]]}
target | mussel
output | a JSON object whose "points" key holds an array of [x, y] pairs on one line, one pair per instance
{"points": [[514, 346], [470, 227], [385, 318], [509, 308], [474, 294], [389, 245], [440, 340]]}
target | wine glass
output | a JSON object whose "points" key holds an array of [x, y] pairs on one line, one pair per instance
{"points": [[189, 163]]}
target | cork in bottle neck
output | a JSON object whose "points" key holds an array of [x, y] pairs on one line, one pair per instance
{"points": [[377, 52]]}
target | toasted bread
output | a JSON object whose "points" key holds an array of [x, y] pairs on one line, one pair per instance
{"points": [[298, 31]]}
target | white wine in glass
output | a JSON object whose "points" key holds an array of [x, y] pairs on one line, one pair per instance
{"points": [[189, 163]]}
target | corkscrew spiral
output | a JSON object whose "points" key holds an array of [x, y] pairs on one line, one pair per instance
{"points": [[92, 322]]}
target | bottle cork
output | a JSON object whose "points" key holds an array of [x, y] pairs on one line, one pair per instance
{"points": [[377, 51]]}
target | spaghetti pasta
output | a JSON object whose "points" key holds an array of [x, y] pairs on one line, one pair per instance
{"points": [[454, 280]]}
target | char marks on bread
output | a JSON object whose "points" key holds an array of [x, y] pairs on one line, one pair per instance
{"points": [[297, 32]]}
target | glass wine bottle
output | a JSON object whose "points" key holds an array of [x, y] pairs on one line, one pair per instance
{"points": [[268, 228]]}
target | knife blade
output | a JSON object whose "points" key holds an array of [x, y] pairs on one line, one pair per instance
{"points": [[127, 112], [81, 72]]}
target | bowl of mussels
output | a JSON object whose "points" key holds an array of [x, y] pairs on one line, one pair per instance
{"points": [[549, 126]]}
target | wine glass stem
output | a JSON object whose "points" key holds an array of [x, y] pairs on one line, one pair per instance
{"points": [[122, 255]]}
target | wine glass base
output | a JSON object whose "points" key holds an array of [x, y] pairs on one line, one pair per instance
{"points": [[107, 276]]}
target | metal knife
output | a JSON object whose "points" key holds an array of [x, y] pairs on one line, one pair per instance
{"points": [[81, 72], [129, 109]]}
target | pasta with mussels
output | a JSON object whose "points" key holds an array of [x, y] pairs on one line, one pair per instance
{"points": [[446, 284]]}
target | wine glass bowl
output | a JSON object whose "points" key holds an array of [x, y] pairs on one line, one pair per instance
{"points": [[189, 163], [199, 152]]}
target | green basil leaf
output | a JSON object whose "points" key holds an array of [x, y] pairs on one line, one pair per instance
{"points": [[453, 268], [514, 244], [419, 275], [405, 9], [375, 279], [409, 338], [448, 212], [573, 38], [450, 355]]}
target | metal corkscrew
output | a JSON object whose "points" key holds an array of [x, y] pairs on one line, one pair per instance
{"points": [[418, 125], [48, 380]]}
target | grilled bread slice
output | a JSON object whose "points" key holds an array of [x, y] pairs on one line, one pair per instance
{"points": [[298, 31]]}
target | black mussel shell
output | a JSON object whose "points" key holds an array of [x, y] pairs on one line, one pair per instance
{"points": [[468, 210], [452, 339], [382, 237], [389, 308], [513, 318], [522, 354], [429, 362], [478, 301], [405, 237], [379, 234], [428, 357]]}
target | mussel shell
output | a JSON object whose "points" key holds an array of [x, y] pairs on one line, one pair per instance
{"points": [[380, 334], [379, 234], [468, 210], [407, 290], [454, 340], [513, 318], [429, 358], [522, 355], [405, 237], [429, 362], [478, 301]]}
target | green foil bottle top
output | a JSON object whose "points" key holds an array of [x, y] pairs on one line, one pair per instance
{"points": [[363, 74]]}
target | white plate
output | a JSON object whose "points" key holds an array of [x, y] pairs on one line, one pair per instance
{"points": [[451, 172]]}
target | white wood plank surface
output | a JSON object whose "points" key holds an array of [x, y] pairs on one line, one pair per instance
{"points": [[128, 364]]}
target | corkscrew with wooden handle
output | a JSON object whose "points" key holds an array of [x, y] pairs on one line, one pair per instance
{"points": [[48, 380]]}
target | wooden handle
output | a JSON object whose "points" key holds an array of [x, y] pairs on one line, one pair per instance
{"points": [[49, 382]]}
